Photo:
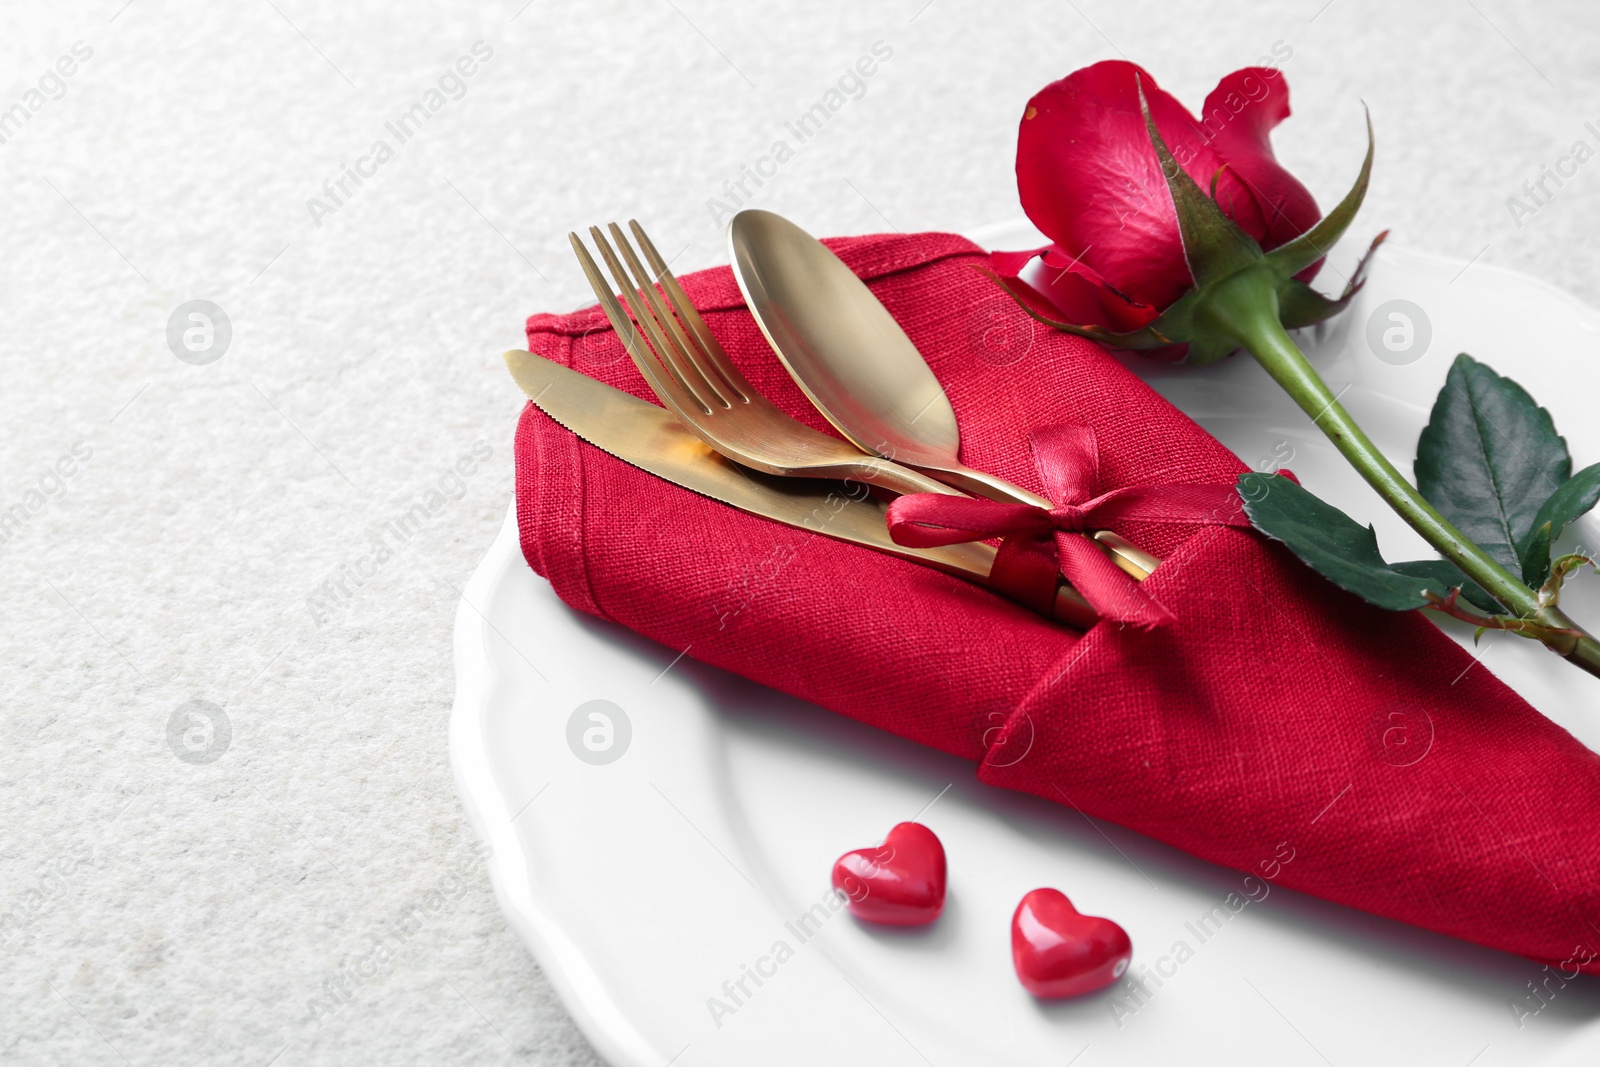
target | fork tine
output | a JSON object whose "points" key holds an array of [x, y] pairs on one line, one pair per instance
{"points": [[644, 319], [697, 343], [707, 342], [683, 373], [673, 392], [690, 365]]}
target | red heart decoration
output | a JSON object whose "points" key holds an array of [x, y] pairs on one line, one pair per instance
{"points": [[900, 883], [1061, 953]]}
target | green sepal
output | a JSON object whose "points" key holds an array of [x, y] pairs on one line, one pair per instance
{"points": [[1299, 305], [1206, 349], [1213, 244], [1295, 256]]}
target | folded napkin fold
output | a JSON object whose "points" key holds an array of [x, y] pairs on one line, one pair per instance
{"points": [[1271, 712]]}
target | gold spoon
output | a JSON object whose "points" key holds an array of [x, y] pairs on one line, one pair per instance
{"points": [[858, 367]]}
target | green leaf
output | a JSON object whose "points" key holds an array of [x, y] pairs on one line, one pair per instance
{"points": [[1575, 497], [1332, 543], [1213, 244], [1489, 458], [1450, 576], [1295, 256]]}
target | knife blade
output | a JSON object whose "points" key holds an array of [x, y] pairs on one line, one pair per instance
{"points": [[653, 440]]}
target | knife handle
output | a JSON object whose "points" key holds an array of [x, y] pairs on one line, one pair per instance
{"points": [[1133, 560], [1072, 609], [974, 561]]}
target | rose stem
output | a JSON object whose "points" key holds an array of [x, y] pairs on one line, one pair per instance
{"points": [[1245, 309]]}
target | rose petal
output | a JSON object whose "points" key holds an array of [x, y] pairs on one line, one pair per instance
{"points": [[1063, 287], [1089, 178], [1239, 116], [1090, 181], [1010, 264], [1068, 281]]}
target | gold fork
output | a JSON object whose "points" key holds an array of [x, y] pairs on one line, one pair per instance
{"points": [[691, 374]]}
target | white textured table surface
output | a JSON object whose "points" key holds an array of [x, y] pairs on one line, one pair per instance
{"points": [[306, 888]]}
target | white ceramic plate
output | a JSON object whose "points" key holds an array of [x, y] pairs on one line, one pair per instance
{"points": [[650, 884]]}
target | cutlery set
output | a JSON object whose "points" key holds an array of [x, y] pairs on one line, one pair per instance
{"points": [[721, 438]]}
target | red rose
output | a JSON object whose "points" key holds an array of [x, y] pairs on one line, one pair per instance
{"points": [[1091, 182]]}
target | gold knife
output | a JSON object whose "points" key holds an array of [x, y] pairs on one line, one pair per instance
{"points": [[650, 438]]}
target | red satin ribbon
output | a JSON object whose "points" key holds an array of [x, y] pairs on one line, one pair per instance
{"points": [[1039, 543]]}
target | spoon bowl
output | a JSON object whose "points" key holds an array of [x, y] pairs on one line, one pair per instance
{"points": [[842, 346], [857, 366]]}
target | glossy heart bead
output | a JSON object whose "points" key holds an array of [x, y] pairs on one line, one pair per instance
{"points": [[900, 883], [1061, 953]]}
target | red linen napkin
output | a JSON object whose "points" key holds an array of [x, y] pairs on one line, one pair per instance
{"points": [[1276, 716]]}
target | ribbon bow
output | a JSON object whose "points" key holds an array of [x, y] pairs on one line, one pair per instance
{"points": [[1038, 544]]}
